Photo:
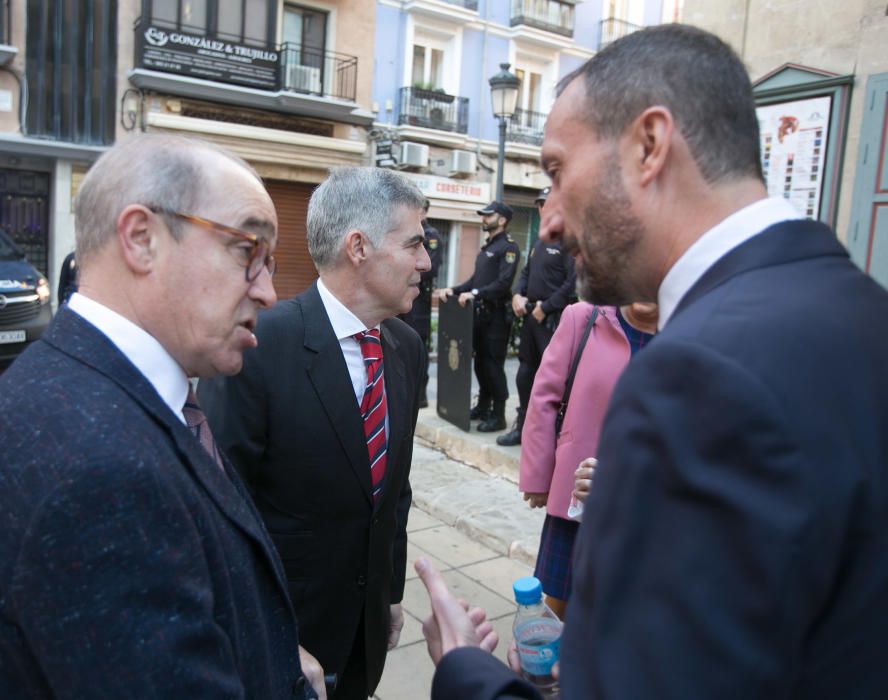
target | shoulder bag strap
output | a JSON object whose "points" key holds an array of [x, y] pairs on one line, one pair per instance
{"points": [[568, 385]]}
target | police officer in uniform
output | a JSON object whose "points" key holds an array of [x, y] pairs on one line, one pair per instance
{"points": [[419, 318], [490, 290], [546, 285]]}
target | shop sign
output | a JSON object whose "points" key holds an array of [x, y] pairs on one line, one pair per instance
{"points": [[208, 58], [446, 188]]}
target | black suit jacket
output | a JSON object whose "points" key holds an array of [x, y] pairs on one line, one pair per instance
{"points": [[290, 423], [130, 564], [735, 544]]}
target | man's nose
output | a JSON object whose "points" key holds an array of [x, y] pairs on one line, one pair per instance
{"points": [[262, 289], [551, 225], [425, 262]]}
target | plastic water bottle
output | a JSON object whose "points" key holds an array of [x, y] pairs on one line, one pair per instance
{"points": [[537, 632]]}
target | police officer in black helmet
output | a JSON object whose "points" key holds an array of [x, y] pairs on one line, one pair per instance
{"points": [[546, 285], [490, 290]]}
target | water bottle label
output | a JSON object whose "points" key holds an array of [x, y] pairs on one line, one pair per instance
{"points": [[538, 642]]}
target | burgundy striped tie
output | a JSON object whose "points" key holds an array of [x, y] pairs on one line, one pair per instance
{"points": [[197, 423], [373, 408]]}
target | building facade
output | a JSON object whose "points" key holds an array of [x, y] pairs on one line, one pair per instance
{"points": [[825, 64], [432, 106], [285, 85]]}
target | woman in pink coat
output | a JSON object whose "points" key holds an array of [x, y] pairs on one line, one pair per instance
{"points": [[549, 463]]}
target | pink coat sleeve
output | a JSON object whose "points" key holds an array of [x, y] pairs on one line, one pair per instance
{"points": [[538, 435]]}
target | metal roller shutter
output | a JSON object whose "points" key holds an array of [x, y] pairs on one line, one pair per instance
{"points": [[295, 270]]}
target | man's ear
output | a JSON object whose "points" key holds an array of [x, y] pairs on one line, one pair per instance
{"points": [[355, 247], [137, 234], [650, 141]]}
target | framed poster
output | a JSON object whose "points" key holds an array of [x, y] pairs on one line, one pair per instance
{"points": [[803, 115], [793, 147]]}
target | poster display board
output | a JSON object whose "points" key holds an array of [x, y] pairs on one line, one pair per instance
{"points": [[793, 147]]}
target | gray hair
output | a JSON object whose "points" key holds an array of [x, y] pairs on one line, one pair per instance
{"points": [[351, 198], [155, 170], [695, 75]]}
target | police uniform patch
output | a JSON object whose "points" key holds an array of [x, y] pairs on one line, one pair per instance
{"points": [[433, 243], [510, 257]]}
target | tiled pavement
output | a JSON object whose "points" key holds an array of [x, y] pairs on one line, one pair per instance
{"points": [[473, 572], [470, 522]]}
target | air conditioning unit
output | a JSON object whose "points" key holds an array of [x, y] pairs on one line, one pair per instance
{"points": [[414, 155], [303, 78], [463, 163]]}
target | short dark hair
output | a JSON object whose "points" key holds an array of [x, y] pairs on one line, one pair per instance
{"points": [[695, 75]]}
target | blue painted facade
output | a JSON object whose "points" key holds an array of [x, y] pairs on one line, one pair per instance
{"points": [[488, 38]]}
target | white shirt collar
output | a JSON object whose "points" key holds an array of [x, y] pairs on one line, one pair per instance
{"points": [[713, 245], [345, 323], [140, 348]]}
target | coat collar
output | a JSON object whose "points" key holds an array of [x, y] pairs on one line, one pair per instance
{"points": [[329, 375], [786, 242], [77, 338]]}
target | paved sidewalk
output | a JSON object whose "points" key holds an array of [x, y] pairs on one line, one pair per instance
{"points": [[469, 520], [474, 527], [473, 448]]}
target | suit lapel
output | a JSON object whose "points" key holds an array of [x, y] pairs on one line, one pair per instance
{"points": [[396, 402], [329, 376], [786, 242], [74, 336]]}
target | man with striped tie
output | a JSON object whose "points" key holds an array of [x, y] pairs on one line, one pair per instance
{"points": [[320, 421]]}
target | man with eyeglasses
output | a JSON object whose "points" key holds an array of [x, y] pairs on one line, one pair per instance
{"points": [[320, 421], [132, 561]]}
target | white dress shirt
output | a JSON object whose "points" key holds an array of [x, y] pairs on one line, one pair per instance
{"points": [[140, 348], [345, 325], [713, 245]]}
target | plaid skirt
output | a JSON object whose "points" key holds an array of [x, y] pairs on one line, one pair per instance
{"points": [[554, 560]]}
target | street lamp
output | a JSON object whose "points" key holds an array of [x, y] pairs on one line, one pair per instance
{"points": [[503, 96]]}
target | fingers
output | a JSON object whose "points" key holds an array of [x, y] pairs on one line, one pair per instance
{"points": [[477, 616], [556, 670], [396, 624], [313, 673], [432, 634], [583, 477], [489, 641], [513, 658]]}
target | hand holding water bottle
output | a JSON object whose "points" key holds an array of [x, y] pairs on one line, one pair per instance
{"points": [[537, 632]]}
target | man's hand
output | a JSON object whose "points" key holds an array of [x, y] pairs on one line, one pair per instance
{"points": [[396, 624], [313, 673], [538, 313], [537, 500], [519, 305], [583, 478], [451, 624], [515, 661], [443, 294], [466, 298]]}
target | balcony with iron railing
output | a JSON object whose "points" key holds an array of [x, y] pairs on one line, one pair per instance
{"points": [[548, 15], [316, 72], [433, 109], [612, 29], [526, 126]]}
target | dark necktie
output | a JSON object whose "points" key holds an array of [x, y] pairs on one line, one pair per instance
{"points": [[197, 423], [373, 408]]}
